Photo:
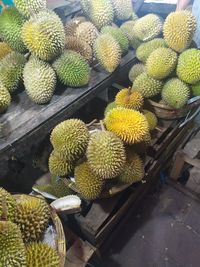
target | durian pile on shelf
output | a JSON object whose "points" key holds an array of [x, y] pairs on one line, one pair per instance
{"points": [[37, 50], [169, 67], [24, 220]]}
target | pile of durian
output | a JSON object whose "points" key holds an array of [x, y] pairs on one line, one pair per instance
{"points": [[112, 154], [23, 222], [37, 50], [169, 67]]}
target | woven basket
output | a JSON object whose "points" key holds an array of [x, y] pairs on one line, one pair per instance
{"points": [[163, 111], [60, 238]]}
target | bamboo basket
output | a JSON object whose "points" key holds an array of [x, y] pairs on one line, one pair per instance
{"points": [[60, 238], [163, 111]]}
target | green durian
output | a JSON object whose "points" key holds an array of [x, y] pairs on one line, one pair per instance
{"points": [[127, 28], [123, 9], [136, 70], [28, 8], [109, 107], [7, 205], [196, 89]]}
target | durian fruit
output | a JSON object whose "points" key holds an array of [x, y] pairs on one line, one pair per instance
{"points": [[4, 49], [145, 49], [12, 252], [89, 185], [59, 165], [39, 80], [107, 52], [179, 28], [151, 119], [127, 28], [119, 36], [71, 138], [130, 125], [47, 188], [196, 89], [7, 204], [147, 27], [11, 70], [71, 25], [72, 69], [5, 98], [123, 9], [188, 68], [75, 44], [85, 5], [128, 99], [161, 63], [32, 217], [44, 35], [101, 13], [109, 107], [28, 8], [41, 255], [175, 93], [133, 170], [136, 70], [11, 24], [106, 154], [60, 188], [147, 86], [88, 32]]}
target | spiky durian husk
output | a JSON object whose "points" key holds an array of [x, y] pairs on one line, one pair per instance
{"points": [[123, 9], [41, 254], [130, 125], [101, 13], [161, 63], [109, 107], [85, 5], [59, 165], [188, 68], [151, 119], [11, 24], [60, 188], [11, 69], [71, 25], [147, 86], [71, 138], [88, 32], [39, 80], [5, 98], [127, 28], [133, 170], [127, 99], [145, 49], [136, 70], [7, 204], [119, 36], [108, 52], [106, 154], [79, 46], [175, 93], [196, 89], [44, 35], [30, 7], [89, 185], [12, 252], [179, 28], [72, 69], [4, 49], [47, 188], [32, 217]]}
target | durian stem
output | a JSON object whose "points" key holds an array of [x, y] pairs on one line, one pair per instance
{"points": [[91, 123], [102, 126], [129, 90]]}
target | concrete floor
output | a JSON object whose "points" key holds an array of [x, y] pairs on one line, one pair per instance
{"points": [[164, 233]]}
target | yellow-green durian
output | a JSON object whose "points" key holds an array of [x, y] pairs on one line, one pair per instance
{"points": [[32, 217], [60, 188], [196, 89], [147, 85], [107, 52], [145, 49], [5, 98], [28, 8], [12, 252], [89, 185], [161, 63], [39, 80], [11, 70], [136, 70], [4, 49], [127, 28], [130, 125], [147, 27], [129, 99], [151, 119], [7, 205], [41, 255], [106, 154], [87, 32], [188, 68], [44, 35], [179, 28], [123, 9], [109, 107]]}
